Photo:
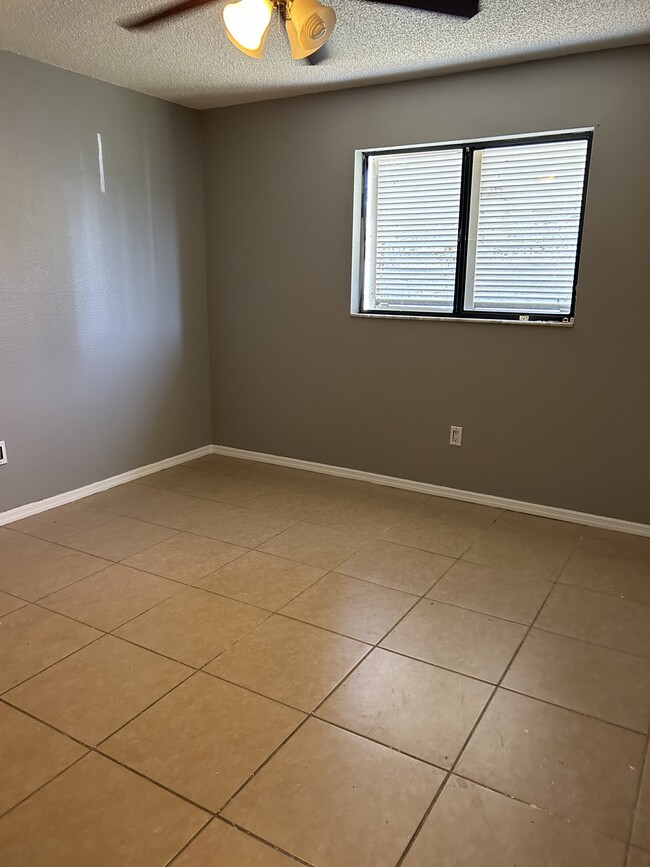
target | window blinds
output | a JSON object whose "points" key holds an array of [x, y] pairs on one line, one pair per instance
{"points": [[412, 211], [524, 227]]}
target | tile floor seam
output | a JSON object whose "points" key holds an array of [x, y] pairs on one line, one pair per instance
{"points": [[47, 782], [645, 768], [243, 830], [601, 592], [311, 715], [592, 643], [263, 764], [274, 846], [4, 692], [599, 719], [194, 530], [99, 752], [109, 563], [148, 707], [580, 824], [42, 722], [61, 543], [481, 715]]}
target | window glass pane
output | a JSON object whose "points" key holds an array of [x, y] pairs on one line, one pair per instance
{"points": [[524, 225], [411, 238]]}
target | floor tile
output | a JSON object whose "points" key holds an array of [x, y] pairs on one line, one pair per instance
{"points": [[459, 512], [641, 833], [118, 538], [193, 626], [221, 844], [228, 489], [56, 524], [500, 592], [288, 503], [204, 739], [638, 858], [32, 568], [101, 814], [531, 556], [95, 691], [613, 575], [119, 499], [337, 800], [617, 544], [470, 825], [32, 638], [180, 479], [221, 463], [576, 767], [355, 608], [30, 754], [413, 706], [169, 509], [458, 639], [240, 526], [290, 661], [272, 474], [518, 522], [617, 623], [324, 547], [396, 566], [262, 579], [360, 515], [450, 539], [185, 557], [109, 598], [392, 498], [584, 677], [10, 603]]}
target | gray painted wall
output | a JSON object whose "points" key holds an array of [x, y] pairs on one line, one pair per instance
{"points": [[103, 338], [551, 415]]}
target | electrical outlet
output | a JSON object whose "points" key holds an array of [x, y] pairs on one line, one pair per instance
{"points": [[3, 452], [455, 435]]}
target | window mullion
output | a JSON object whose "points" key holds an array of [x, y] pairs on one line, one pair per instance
{"points": [[463, 225]]}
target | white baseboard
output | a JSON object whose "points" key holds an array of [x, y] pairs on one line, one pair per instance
{"points": [[79, 493], [600, 521]]}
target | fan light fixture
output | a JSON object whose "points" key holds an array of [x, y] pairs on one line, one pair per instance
{"points": [[309, 25]]}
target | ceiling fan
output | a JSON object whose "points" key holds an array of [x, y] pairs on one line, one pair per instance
{"points": [[309, 23]]}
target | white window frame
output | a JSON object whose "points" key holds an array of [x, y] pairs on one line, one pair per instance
{"points": [[363, 264]]}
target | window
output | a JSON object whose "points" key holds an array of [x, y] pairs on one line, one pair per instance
{"points": [[481, 230]]}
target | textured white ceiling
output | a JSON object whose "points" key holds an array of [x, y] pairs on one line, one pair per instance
{"points": [[190, 61]]}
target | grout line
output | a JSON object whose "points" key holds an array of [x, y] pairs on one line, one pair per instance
{"points": [[645, 769], [268, 843], [470, 735], [189, 842], [5, 692], [46, 783], [595, 830], [42, 722], [102, 741]]}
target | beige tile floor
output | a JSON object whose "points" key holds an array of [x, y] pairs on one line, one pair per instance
{"points": [[233, 664]]}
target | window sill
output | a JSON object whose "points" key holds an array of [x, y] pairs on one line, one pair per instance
{"points": [[466, 319]]}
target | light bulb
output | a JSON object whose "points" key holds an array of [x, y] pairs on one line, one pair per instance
{"points": [[246, 24]]}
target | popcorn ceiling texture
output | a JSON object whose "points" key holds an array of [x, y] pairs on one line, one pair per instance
{"points": [[190, 60]]}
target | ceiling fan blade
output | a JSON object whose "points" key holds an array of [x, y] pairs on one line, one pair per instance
{"points": [[165, 12], [461, 8]]}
